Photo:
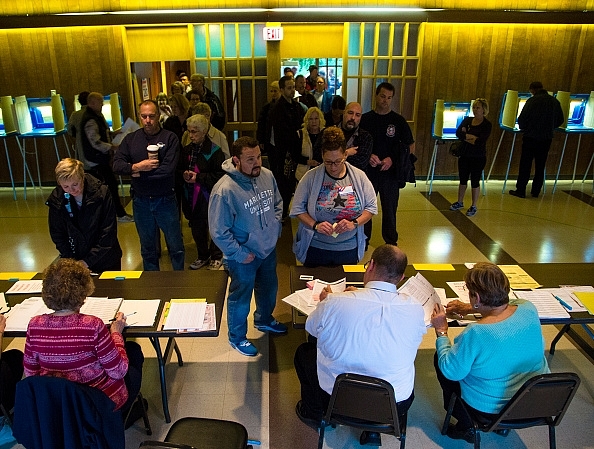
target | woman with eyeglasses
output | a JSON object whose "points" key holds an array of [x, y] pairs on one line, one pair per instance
{"points": [[492, 358], [332, 201], [474, 131]]}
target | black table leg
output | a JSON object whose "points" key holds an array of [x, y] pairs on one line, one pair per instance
{"points": [[563, 330], [161, 362]]}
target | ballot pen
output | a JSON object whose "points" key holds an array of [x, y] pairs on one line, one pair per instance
{"points": [[563, 303], [125, 316]]}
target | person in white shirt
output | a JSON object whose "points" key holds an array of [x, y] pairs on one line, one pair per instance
{"points": [[373, 331]]}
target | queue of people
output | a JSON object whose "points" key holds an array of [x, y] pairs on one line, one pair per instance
{"points": [[235, 208]]}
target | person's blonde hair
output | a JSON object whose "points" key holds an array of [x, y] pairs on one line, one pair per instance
{"points": [[69, 168], [484, 104], [181, 102], [320, 116]]}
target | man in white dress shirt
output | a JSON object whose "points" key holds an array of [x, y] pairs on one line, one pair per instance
{"points": [[374, 331]]}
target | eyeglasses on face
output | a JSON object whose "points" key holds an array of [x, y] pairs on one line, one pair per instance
{"points": [[334, 163]]}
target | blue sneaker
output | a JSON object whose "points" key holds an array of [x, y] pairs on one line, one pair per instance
{"points": [[274, 328], [457, 205], [245, 347]]}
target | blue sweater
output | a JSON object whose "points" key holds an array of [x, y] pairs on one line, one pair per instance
{"points": [[492, 361]]}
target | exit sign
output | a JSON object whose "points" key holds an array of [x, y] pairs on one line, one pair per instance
{"points": [[273, 33]]}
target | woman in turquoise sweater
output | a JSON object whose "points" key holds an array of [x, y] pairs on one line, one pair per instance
{"points": [[492, 358]]}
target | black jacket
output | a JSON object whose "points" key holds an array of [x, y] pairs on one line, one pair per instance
{"points": [[91, 233], [541, 114]]}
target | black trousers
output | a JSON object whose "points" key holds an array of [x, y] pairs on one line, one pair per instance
{"points": [[11, 371], [536, 150], [313, 398], [389, 193], [451, 386], [133, 378], [105, 174]]}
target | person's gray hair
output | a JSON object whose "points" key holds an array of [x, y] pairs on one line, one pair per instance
{"points": [[197, 77], [202, 109], [199, 122]]}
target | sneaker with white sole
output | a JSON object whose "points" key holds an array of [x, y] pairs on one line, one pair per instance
{"points": [[126, 219], [457, 205], [214, 264], [274, 328], [197, 264], [471, 212], [245, 347]]}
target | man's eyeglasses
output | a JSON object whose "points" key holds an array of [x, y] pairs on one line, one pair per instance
{"points": [[366, 264], [334, 163]]}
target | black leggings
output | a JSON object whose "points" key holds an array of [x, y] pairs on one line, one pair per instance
{"points": [[471, 167]]}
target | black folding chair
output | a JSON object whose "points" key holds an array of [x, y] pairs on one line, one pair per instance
{"points": [[542, 401], [202, 433], [366, 403]]}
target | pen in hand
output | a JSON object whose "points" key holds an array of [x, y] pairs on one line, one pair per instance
{"points": [[125, 316]]}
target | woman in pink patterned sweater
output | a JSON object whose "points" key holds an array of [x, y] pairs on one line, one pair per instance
{"points": [[80, 347]]}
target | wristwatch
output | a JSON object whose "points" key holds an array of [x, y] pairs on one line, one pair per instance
{"points": [[355, 222], [442, 333], [315, 226]]}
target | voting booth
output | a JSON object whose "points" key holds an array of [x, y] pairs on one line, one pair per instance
{"points": [[511, 107], [39, 118], [8, 128], [447, 116], [578, 110]]}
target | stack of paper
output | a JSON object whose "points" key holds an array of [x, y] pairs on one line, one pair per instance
{"points": [[140, 312], [104, 308], [546, 304], [518, 278], [19, 316], [185, 315]]}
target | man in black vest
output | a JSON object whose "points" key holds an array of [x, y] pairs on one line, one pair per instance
{"points": [[97, 150]]}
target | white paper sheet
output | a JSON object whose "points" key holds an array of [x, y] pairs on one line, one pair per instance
{"points": [[33, 286], [545, 303], [185, 315], [421, 289], [103, 308], [140, 312], [19, 316]]}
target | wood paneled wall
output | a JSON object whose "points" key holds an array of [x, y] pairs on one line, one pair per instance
{"points": [[20, 7], [461, 62], [68, 60]]}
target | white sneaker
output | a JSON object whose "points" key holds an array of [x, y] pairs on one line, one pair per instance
{"points": [[126, 219], [214, 264]]}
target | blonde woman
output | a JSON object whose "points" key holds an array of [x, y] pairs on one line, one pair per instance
{"points": [[313, 125]]}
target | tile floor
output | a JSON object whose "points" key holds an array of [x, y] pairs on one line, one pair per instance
{"points": [[261, 392]]}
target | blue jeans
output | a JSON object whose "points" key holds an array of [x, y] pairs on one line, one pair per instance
{"points": [[150, 214], [258, 276]]}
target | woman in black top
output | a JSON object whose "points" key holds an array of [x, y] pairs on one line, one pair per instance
{"points": [[474, 131]]}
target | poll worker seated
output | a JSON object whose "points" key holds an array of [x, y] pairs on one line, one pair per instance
{"points": [[78, 347], [492, 358], [373, 331]]}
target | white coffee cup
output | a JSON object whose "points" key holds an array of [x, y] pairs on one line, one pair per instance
{"points": [[153, 151]]}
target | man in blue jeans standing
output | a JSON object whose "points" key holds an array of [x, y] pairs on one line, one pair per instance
{"points": [[244, 218], [152, 186]]}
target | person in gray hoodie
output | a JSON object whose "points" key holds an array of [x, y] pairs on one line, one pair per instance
{"points": [[244, 219]]}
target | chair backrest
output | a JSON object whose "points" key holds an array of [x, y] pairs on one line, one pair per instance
{"points": [[543, 396], [55, 413], [358, 399]]}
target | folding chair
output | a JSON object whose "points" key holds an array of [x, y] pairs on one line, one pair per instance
{"points": [[366, 403], [541, 401], [202, 433]]}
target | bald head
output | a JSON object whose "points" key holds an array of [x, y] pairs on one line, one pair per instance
{"points": [[387, 264], [352, 116], [95, 101]]}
